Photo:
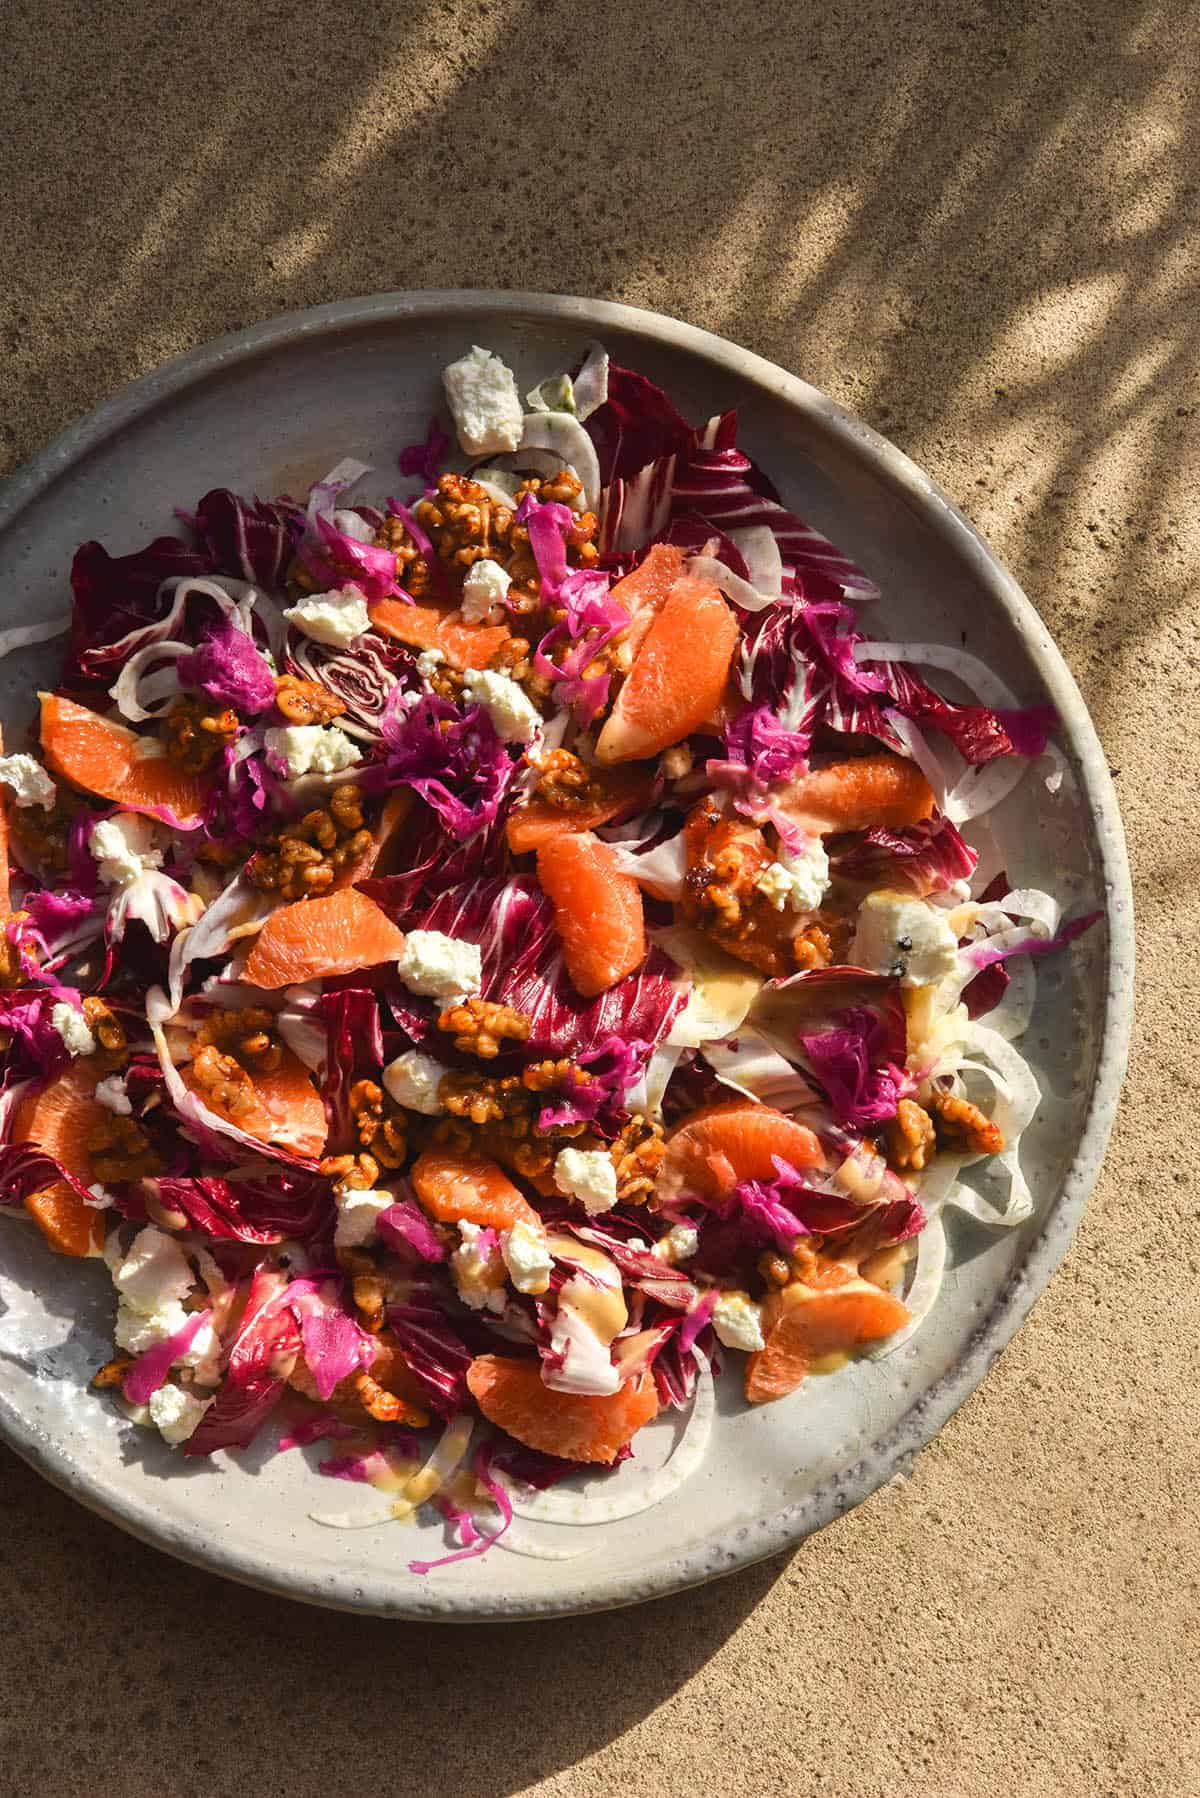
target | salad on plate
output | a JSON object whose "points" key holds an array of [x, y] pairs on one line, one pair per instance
{"points": [[477, 964]]}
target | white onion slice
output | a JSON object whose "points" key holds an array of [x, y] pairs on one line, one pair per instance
{"points": [[733, 586], [516, 1543], [140, 694], [24, 636], [981, 680], [660, 870], [631, 1496], [758, 547], [757, 1071], [565, 438], [928, 1270]]}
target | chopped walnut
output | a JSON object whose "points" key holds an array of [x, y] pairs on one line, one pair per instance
{"points": [[962, 1126], [910, 1139], [12, 973], [112, 1049], [370, 1295], [465, 525], [774, 1268], [195, 731], [305, 701], [119, 1150], [479, 1026], [223, 1082], [483, 1101], [247, 1035], [412, 570], [350, 1173], [566, 782], [112, 1373], [812, 948], [638, 1153], [43, 835], [305, 857], [677, 761], [385, 1406], [378, 1124], [804, 1260]]}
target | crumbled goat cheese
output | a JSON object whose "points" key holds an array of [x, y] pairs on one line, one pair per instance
{"points": [[484, 403], [587, 1175]]}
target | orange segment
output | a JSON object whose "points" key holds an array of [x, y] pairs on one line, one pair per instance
{"points": [[881, 789], [288, 1109], [469, 1189], [643, 594], [60, 1119], [614, 790], [439, 627], [335, 934], [802, 1324], [678, 675], [105, 758], [576, 1426], [720, 1145], [597, 911]]}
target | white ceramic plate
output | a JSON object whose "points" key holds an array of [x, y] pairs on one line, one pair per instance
{"points": [[267, 411]]}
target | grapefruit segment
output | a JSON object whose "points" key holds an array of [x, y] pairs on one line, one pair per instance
{"points": [[288, 1109], [383, 855], [469, 1189], [439, 627], [611, 790], [803, 1324], [720, 1145], [575, 1426], [643, 594], [678, 675], [105, 758], [884, 790], [60, 1119], [597, 911], [338, 933]]}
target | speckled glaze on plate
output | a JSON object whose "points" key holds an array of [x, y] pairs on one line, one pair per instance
{"points": [[268, 410]]}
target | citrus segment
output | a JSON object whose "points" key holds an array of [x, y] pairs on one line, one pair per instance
{"points": [[288, 1110], [575, 1426], [338, 933], [383, 856], [439, 627], [60, 1119], [610, 791], [643, 594], [105, 758], [883, 790], [803, 1324], [678, 675], [469, 1189], [597, 911], [720, 1145]]}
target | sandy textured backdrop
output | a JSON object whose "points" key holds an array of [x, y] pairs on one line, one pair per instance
{"points": [[977, 226]]}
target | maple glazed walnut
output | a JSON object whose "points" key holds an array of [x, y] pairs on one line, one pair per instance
{"points": [[306, 856], [119, 1150], [194, 732], [305, 701], [726, 855], [962, 1126], [378, 1124], [479, 1027], [910, 1138]]}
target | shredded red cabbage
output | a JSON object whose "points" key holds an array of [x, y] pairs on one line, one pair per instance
{"points": [[228, 669]]}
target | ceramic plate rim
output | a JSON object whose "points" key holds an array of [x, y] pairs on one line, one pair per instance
{"points": [[893, 1453]]}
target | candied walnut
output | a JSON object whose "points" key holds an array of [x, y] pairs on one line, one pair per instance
{"points": [[677, 761], [481, 1100], [305, 701], [910, 1139], [223, 1082], [447, 682], [350, 1173], [112, 1373], [803, 1260], [637, 1154], [514, 658], [812, 948], [962, 1126], [774, 1269], [195, 731], [479, 1026], [248, 1035], [385, 1406], [111, 1045], [370, 1295], [412, 570], [119, 1150], [12, 972], [43, 836], [378, 1124], [306, 856], [566, 782], [465, 524]]}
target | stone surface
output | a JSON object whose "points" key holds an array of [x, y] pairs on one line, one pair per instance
{"points": [[976, 226]]}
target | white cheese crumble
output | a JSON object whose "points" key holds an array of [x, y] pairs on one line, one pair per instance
{"points": [[898, 934], [357, 1215], [527, 1257], [428, 663], [176, 1412], [152, 1278], [485, 586], [587, 1175], [438, 966], [478, 1270], [72, 1026], [484, 403], [111, 1092], [413, 1080], [123, 846], [513, 714], [737, 1321], [679, 1244], [799, 881], [335, 618], [27, 781], [312, 748]]}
